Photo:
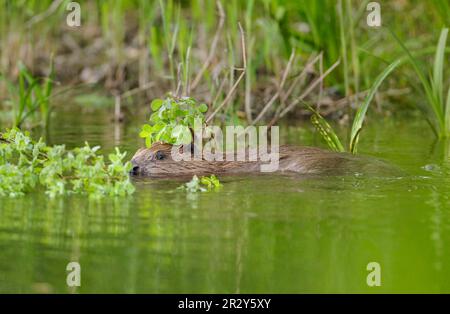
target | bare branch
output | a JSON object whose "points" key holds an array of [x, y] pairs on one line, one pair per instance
{"points": [[308, 90], [275, 97], [40, 17]]}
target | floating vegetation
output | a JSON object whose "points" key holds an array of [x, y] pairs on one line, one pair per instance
{"points": [[26, 165], [204, 184]]}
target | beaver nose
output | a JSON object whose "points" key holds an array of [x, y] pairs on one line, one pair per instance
{"points": [[135, 170]]}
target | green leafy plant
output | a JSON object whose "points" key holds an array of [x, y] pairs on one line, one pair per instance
{"points": [[172, 120], [30, 96], [438, 113], [26, 165], [203, 184], [327, 132], [362, 110]]}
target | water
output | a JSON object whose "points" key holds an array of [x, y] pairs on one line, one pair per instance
{"points": [[259, 233]]}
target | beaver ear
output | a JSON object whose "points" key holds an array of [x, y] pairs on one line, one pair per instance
{"points": [[138, 152], [186, 147]]}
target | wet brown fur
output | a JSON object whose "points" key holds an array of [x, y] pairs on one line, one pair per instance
{"points": [[302, 160]]}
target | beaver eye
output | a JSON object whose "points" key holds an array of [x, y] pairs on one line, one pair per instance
{"points": [[159, 155]]}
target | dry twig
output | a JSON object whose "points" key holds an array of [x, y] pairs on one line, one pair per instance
{"points": [[212, 51], [235, 85], [277, 94]]}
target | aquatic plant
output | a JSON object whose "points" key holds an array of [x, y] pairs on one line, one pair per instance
{"points": [[203, 184], [30, 97], [26, 165], [172, 120], [438, 110], [327, 132]]}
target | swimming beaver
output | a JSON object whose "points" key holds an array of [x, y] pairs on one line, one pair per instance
{"points": [[157, 161]]}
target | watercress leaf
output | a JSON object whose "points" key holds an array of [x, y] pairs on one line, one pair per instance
{"points": [[205, 181], [113, 158], [203, 108], [161, 133], [147, 128], [156, 104], [215, 181], [154, 117], [148, 142]]}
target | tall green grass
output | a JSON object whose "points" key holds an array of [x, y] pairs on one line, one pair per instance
{"points": [[433, 84], [164, 31], [327, 132], [29, 98]]}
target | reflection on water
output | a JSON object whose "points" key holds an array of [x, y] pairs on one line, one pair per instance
{"points": [[261, 233]]}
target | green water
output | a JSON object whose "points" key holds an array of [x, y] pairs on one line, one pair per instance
{"points": [[261, 233]]}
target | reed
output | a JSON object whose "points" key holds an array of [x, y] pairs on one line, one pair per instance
{"points": [[327, 132], [177, 35], [433, 85], [29, 98]]}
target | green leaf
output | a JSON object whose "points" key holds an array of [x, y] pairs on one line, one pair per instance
{"points": [[147, 128], [156, 104], [438, 67], [447, 112], [146, 131], [427, 86], [172, 119], [113, 158], [206, 181], [325, 130], [203, 108], [362, 110], [194, 185], [148, 142], [215, 181], [60, 171]]}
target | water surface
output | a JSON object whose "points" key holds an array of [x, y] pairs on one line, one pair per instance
{"points": [[259, 233]]}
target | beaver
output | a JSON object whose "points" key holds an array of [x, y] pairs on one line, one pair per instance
{"points": [[157, 161]]}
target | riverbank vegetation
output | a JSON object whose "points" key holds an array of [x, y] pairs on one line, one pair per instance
{"points": [[245, 62], [26, 165], [139, 50]]}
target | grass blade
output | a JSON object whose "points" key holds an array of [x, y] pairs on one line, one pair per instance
{"points": [[447, 113], [438, 67], [426, 85], [327, 132], [361, 113]]}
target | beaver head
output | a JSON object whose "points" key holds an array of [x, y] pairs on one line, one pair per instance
{"points": [[157, 161], [153, 160]]}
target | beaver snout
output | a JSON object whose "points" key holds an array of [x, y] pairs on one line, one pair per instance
{"points": [[135, 169]]}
